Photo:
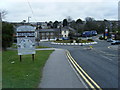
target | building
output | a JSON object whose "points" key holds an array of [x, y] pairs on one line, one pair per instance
{"points": [[53, 34], [65, 31], [49, 34]]}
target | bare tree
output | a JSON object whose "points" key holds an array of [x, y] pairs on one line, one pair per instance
{"points": [[3, 13], [69, 19]]}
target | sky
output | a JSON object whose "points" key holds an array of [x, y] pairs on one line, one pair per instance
{"points": [[51, 10]]}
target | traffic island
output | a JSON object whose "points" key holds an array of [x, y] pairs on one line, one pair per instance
{"points": [[74, 42], [80, 44]]}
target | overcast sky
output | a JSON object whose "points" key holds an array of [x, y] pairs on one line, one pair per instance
{"points": [[51, 10]]}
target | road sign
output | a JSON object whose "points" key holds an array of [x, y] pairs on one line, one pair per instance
{"points": [[26, 40]]}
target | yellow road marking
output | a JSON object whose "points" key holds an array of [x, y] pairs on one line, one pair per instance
{"points": [[82, 74], [74, 62]]}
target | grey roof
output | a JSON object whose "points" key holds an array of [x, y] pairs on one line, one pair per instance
{"points": [[48, 30], [68, 28], [25, 28]]}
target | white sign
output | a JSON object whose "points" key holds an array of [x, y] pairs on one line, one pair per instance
{"points": [[26, 40]]}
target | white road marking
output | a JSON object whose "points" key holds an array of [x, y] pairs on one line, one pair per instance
{"points": [[107, 58]]}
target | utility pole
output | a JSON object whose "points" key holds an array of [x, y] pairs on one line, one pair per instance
{"points": [[29, 19], [0, 33]]}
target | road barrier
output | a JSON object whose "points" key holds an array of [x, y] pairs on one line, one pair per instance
{"points": [[90, 82]]}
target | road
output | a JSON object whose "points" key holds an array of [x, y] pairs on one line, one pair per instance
{"points": [[101, 63]]}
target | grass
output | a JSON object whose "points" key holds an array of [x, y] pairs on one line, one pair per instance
{"points": [[42, 47], [63, 41], [25, 74], [14, 46], [69, 41]]}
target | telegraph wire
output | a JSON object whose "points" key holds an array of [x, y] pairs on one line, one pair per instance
{"points": [[31, 10]]}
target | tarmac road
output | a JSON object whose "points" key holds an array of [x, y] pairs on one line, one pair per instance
{"points": [[101, 63]]}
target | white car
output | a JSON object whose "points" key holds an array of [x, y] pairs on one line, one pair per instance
{"points": [[115, 42], [110, 40]]}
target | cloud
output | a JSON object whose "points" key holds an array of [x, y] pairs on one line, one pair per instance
{"points": [[52, 10]]}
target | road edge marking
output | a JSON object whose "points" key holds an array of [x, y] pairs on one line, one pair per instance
{"points": [[76, 72], [83, 72]]}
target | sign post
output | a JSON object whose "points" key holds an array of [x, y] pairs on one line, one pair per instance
{"points": [[106, 33], [26, 41]]}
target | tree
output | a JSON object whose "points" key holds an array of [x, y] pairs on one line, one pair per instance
{"points": [[69, 19], [79, 25], [55, 24], [7, 35], [73, 24], [65, 22], [90, 24], [79, 21], [3, 13], [89, 19], [101, 28]]}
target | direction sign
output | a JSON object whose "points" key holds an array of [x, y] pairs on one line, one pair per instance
{"points": [[26, 40]]}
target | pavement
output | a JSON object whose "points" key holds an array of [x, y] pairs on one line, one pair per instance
{"points": [[58, 73]]}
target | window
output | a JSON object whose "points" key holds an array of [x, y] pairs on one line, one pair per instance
{"points": [[47, 33], [43, 33], [65, 31]]}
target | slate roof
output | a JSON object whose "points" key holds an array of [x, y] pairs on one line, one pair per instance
{"points": [[48, 30]]}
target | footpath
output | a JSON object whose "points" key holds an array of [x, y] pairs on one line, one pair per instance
{"points": [[58, 73]]}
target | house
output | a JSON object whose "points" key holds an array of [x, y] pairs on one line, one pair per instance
{"points": [[65, 31], [49, 34], [53, 34]]}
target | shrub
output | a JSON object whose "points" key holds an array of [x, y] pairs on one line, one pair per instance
{"points": [[90, 40], [57, 39], [101, 38], [71, 41]]}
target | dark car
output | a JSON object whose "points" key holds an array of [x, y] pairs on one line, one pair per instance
{"points": [[115, 42]]}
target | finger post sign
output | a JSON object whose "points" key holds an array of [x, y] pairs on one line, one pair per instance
{"points": [[26, 40]]}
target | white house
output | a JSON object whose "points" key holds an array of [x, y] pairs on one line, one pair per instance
{"points": [[65, 32]]}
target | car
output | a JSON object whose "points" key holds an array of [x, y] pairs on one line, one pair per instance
{"points": [[110, 40], [115, 42]]}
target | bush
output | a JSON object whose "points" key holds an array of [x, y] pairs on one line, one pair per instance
{"points": [[57, 39], [71, 41], [77, 40], [101, 38], [90, 40]]}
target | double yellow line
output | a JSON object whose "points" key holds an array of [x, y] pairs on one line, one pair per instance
{"points": [[83, 74]]}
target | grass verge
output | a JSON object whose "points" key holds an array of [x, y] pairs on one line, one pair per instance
{"points": [[69, 41], [25, 74], [42, 47]]}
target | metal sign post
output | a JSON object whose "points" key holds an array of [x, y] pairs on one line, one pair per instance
{"points": [[33, 57], [26, 40]]}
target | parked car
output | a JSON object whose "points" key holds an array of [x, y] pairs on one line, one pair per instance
{"points": [[110, 40], [115, 42], [89, 33], [94, 33]]}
